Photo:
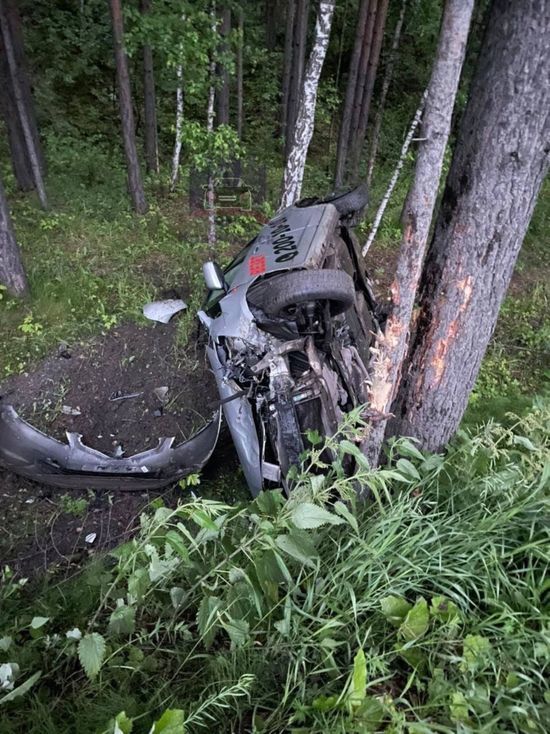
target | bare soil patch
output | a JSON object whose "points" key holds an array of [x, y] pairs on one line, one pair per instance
{"points": [[86, 388]]}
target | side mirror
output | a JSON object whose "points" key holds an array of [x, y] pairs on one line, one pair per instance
{"points": [[213, 276]]}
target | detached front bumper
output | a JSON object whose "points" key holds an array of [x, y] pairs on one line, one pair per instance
{"points": [[29, 452]]}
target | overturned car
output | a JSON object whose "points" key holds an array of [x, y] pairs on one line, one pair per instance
{"points": [[289, 328]]}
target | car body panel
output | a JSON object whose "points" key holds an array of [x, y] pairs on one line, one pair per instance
{"points": [[29, 452]]}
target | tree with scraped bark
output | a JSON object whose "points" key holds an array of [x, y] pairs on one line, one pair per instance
{"points": [[296, 161], [390, 348], [501, 157], [12, 273], [135, 184]]}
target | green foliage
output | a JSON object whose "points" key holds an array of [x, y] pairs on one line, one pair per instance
{"points": [[419, 610]]}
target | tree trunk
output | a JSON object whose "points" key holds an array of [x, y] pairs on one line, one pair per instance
{"points": [[179, 129], [384, 93], [372, 68], [149, 103], [296, 71], [287, 63], [10, 29], [295, 165], [351, 90], [135, 185], [240, 94], [18, 148], [361, 82], [12, 274], [223, 91], [499, 163], [417, 217], [271, 20], [210, 114]]}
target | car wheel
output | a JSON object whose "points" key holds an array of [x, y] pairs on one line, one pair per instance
{"points": [[281, 294]]}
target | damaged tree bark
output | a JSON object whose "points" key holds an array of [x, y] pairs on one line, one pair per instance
{"points": [[12, 274], [500, 160], [391, 347], [296, 162]]}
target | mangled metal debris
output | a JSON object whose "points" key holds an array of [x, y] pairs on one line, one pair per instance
{"points": [[162, 311]]}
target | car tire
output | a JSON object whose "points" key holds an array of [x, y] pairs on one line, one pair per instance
{"points": [[282, 292]]}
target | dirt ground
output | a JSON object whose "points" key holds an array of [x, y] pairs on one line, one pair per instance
{"points": [[121, 391]]}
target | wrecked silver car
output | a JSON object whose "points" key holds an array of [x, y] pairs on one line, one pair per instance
{"points": [[290, 323]]}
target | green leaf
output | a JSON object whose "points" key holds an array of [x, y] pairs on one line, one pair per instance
{"points": [[525, 442], [177, 595], [5, 643], [121, 724], [416, 622], [459, 708], [394, 609], [444, 609], [475, 653], [238, 630], [306, 515], [358, 689], [22, 689], [350, 448], [175, 541], [171, 722], [344, 512], [138, 583], [38, 622], [407, 468], [298, 545], [123, 620], [91, 653], [207, 618], [204, 521]]}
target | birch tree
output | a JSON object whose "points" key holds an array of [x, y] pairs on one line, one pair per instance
{"points": [[500, 160], [176, 154], [12, 274], [295, 165], [390, 349]]}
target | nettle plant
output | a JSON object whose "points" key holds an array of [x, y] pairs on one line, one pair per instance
{"points": [[418, 610]]}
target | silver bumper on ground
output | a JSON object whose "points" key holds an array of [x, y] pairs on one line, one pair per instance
{"points": [[29, 452]]}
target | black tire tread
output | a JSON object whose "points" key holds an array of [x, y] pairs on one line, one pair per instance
{"points": [[299, 286]]}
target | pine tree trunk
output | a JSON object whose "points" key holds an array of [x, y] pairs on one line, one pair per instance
{"points": [[210, 115], [500, 160], [287, 63], [240, 93], [296, 71], [417, 217], [361, 83], [12, 274], [18, 148], [384, 93], [149, 103], [135, 185], [10, 30], [295, 165], [271, 19], [351, 90], [372, 68], [223, 91]]}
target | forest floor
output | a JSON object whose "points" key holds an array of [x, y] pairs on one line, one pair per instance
{"points": [[82, 341]]}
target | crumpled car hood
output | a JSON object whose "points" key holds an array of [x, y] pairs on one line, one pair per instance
{"points": [[29, 452]]}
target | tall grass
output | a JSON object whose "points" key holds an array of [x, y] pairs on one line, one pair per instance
{"points": [[419, 610]]}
